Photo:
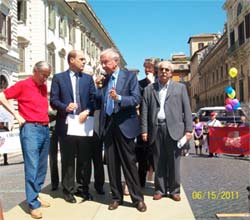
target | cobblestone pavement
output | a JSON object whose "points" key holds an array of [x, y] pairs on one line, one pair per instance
{"points": [[212, 185]]}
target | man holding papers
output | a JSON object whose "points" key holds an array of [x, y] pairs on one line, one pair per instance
{"points": [[72, 95], [166, 117]]}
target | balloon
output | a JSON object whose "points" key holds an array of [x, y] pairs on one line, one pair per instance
{"points": [[232, 94], [228, 101], [228, 89], [233, 72], [236, 106], [229, 108], [234, 102]]}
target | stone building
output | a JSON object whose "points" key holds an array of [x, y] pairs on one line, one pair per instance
{"points": [[238, 34], [49, 29], [181, 69], [9, 59]]}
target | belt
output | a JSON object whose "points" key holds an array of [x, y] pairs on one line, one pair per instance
{"points": [[161, 121], [38, 123]]}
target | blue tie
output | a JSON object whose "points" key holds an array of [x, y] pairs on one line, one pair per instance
{"points": [[109, 101], [77, 94]]}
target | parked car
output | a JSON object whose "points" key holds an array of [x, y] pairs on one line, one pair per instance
{"points": [[225, 117]]}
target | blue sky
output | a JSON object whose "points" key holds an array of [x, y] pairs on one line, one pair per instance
{"points": [[160, 28]]}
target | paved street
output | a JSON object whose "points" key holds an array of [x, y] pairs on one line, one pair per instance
{"points": [[212, 185]]}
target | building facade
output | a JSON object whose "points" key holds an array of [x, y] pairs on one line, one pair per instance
{"points": [[9, 58], [48, 30], [238, 34]]}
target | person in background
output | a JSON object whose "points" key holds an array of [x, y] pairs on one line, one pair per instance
{"points": [[243, 122], [213, 122], [119, 125], [198, 134], [32, 116], [97, 147], [165, 118], [53, 153], [72, 92], [3, 128], [143, 149]]}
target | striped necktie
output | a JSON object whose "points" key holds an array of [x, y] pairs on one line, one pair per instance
{"points": [[109, 101]]}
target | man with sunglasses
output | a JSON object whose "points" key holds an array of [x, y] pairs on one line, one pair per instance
{"points": [[166, 117]]}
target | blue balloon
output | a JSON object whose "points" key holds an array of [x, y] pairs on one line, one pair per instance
{"points": [[236, 106], [229, 89]]}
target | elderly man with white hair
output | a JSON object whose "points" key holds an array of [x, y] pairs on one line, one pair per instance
{"points": [[165, 118]]}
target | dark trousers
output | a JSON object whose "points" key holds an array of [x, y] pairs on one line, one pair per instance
{"points": [[144, 158], [96, 156], [166, 162], [98, 162], [120, 152], [53, 160], [70, 147]]}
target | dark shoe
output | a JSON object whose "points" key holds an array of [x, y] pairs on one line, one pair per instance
{"points": [[114, 205], [141, 207], [100, 191], [5, 163], [157, 196], [87, 196], [176, 197], [69, 198]]}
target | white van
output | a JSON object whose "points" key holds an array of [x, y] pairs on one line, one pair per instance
{"points": [[223, 115]]}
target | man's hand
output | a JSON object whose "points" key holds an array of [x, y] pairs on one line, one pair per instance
{"points": [[144, 137], [83, 116], [99, 81], [189, 135], [20, 119], [71, 107], [113, 95]]}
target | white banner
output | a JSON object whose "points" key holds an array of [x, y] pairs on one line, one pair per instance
{"points": [[9, 142]]}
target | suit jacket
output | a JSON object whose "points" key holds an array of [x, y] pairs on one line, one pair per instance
{"points": [[125, 115], [177, 110], [62, 94]]}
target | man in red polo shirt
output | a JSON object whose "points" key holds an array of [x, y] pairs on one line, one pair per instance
{"points": [[32, 116]]}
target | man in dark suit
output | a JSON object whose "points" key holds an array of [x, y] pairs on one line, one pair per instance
{"points": [[119, 125], [166, 117], [72, 92]]}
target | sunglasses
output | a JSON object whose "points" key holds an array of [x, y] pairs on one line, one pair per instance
{"points": [[166, 69]]}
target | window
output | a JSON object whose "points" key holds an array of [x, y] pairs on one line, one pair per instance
{"points": [[88, 45], [52, 17], [21, 10], [241, 33], [62, 27], [247, 25], [232, 40], [51, 56], [2, 26], [239, 9], [82, 41], [241, 87], [62, 54], [71, 34], [9, 31], [200, 45]]}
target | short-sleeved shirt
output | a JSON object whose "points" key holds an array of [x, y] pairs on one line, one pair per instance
{"points": [[32, 100]]}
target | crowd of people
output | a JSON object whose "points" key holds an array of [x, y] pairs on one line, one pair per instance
{"points": [[137, 123]]}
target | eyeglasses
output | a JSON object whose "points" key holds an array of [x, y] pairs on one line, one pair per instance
{"points": [[166, 69]]}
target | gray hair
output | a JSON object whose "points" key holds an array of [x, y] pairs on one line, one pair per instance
{"points": [[169, 64], [111, 52], [41, 65]]}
